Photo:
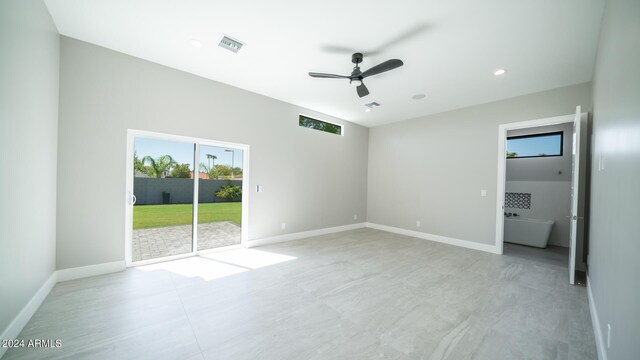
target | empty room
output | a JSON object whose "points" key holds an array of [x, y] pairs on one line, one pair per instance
{"points": [[320, 180]]}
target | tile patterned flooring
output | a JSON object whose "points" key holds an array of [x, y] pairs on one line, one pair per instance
{"points": [[362, 294], [153, 243], [552, 254]]}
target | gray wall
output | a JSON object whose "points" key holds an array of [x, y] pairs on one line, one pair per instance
{"points": [[433, 168], [103, 93], [614, 238], [148, 191], [550, 191], [29, 54]]}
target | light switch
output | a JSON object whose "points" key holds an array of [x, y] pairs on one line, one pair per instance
{"points": [[483, 192]]}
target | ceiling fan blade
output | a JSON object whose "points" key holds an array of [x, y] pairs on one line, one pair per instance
{"points": [[380, 68], [362, 90], [328, 76]]}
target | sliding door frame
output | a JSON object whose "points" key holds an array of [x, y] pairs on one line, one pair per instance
{"points": [[128, 198]]}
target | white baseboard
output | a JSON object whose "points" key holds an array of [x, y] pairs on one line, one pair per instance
{"points": [[302, 235], [595, 321], [91, 270], [438, 238], [13, 330]]}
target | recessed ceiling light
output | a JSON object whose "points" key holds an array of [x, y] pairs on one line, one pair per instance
{"points": [[196, 43], [418, 96], [499, 72], [367, 110]]}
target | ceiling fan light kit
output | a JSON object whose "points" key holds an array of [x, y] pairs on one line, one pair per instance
{"points": [[357, 75]]}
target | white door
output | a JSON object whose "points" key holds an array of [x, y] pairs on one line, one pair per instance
{"points": [[575, 198]]}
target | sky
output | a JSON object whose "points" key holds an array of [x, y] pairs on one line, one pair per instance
{"points": [[182, 152], [534, 145]]}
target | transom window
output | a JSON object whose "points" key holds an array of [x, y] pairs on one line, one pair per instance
{"points": [[535, 145], [316, 124]]}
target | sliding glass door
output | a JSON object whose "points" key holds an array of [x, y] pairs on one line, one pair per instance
{"points": [[163, 188], [185, 196], [220, 197]]}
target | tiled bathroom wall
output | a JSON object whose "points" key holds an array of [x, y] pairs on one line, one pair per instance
{"points": [[516, 200]]}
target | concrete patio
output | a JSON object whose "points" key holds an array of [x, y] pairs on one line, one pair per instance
{"points": [[159, 242]]}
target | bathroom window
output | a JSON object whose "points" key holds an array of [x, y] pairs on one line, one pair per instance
{"points": [[536, 145]]}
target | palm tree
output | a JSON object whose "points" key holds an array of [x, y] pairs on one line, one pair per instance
{"points": [[209, 165], [160, 166], [206, 168], [138, 165], [212, 159]]}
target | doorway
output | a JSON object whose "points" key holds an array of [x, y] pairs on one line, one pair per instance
{"points": [[541, 202], [185, 196]]}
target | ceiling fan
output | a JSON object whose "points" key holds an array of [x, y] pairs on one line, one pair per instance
{"points": [[357, 76]]}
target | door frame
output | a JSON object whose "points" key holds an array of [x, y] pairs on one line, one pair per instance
{"points": [[244, 228], [502, 165]]}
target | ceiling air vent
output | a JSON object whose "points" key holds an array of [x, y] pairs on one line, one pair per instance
{"points": [[371, 105], [230, 44]]}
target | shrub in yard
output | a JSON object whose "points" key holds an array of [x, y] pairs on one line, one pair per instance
{"points": [[181, 171], [229, 192]]}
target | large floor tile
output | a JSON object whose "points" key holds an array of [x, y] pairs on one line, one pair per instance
{"points": [[362, 294]]}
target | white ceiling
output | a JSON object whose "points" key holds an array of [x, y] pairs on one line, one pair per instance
{"points": [[450, 48]]}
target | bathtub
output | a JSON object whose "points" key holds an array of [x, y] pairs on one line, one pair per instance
{"points": [[526, 231]]}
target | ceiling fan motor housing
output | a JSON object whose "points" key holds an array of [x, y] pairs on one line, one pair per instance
{"points": [[356, 58]]}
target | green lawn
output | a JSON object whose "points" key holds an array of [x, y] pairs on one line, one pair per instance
{"points": [[151, 216]]}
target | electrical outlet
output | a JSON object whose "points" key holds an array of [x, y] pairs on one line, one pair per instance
{"points": [[608, 336], [283, 226], [483, 192], [418, 223], [355, 216]]}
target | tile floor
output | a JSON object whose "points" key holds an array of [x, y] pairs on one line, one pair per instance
{"points": [[552, 254], [362, 294]]}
